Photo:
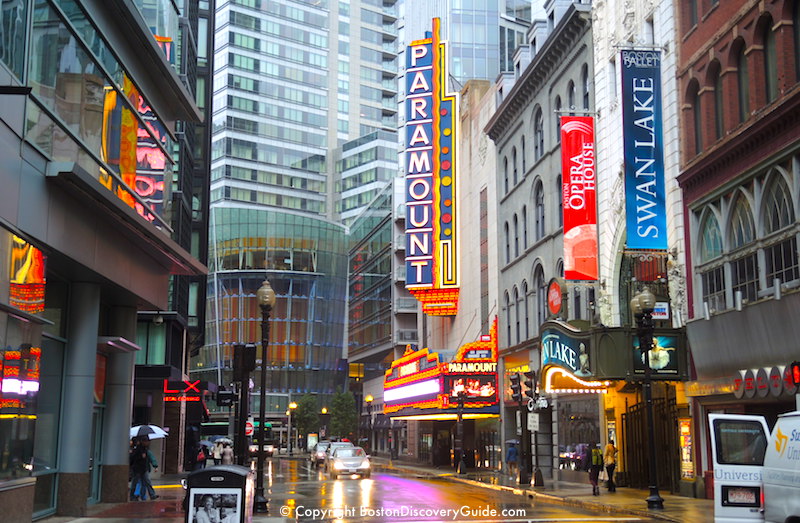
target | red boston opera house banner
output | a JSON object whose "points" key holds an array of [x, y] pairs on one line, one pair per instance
{"points": [[579, 197]]}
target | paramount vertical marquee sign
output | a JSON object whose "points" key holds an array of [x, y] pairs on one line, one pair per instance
{"points": [[645, 206], [431, 265]]}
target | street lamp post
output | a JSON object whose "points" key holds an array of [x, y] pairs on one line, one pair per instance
{"points": [[368, 399], [266, 300], [462, 465], [292, 406], [642, 306]]}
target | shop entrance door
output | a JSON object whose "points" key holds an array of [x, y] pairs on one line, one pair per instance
{"points": [[636, 453], [95, 455]]}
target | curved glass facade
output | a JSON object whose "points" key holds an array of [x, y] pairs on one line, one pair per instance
{"points": [[306, 264]]}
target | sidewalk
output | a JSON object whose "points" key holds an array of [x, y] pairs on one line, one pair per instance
{"points": [[623, 501]]}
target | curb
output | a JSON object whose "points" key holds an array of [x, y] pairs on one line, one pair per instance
{"points": [[540, 496]]}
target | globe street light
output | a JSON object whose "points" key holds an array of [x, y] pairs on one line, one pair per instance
{"points": [[266, 300], [368, 400], [642, 306]]}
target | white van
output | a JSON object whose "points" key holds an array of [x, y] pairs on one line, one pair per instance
{"points": [[756, 475]]}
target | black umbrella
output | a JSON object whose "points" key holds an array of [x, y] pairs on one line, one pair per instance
{"points": [[148, 431]]}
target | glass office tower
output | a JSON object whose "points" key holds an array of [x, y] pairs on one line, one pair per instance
{"points": [[294, 81]]}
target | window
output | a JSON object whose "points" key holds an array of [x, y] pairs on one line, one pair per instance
{"points": [[522, 144], [505, 174], [770, 62], [538, 134], [560, 201], [516, 236], [524, 226], [516, 315], [538, 198], [714, 288], [541, 295], [781, 259], [557, 119], [796, 31], [585, 85], [742, 225], [716, 79], [525, 314], [571, 97], [697, 119], [514, 164], [508, 318], [744, 270], [508, 245], [743, 82], [710, 239]]}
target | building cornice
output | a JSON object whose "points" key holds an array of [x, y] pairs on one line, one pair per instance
{"points": [[559, 43]]}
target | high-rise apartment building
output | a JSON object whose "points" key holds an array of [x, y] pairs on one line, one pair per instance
{"points": [[295, 83]]}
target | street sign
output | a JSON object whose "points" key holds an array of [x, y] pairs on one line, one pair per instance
{"points": [[533, 423], [249, 427], [531, 405]]}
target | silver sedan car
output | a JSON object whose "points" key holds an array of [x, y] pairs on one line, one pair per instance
{"points": [[349, 461]]}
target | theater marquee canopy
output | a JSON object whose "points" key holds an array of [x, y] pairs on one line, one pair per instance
{"points": [[420, 386]]}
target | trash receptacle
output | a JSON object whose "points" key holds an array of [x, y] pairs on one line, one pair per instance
{"points": [[220, 492]]}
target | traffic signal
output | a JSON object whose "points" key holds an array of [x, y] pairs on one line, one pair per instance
{"points": [[795, 366], [530, 382], [244, 361], [516, 388]]}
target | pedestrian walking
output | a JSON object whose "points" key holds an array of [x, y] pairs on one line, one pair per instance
{"points": [[227, 455], [217, 453], [512, 456], [200, 460], [595, 468], [138, 463], [610, 461]]}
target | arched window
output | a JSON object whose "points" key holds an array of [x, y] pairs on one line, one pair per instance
{"points": [[505, 175], [516, 316], [516, 236], [541, 295], [781, 257], [585, 85], [508, 318], [557, 119], [710, 239], [524, 227], [525, 312], [515, 178], [743, 229], [560, 201], [538, 134], [508, 244], [697, 117], [719, 108], [770, 61], [796, 30], [712, 280], [571, 97], [538, 197], [522, 153], [778, 208], [744, 269], [560, 268], [743, 82]]}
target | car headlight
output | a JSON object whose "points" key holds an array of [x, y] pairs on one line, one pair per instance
{"points": [[338, 465], [364, 464]]}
